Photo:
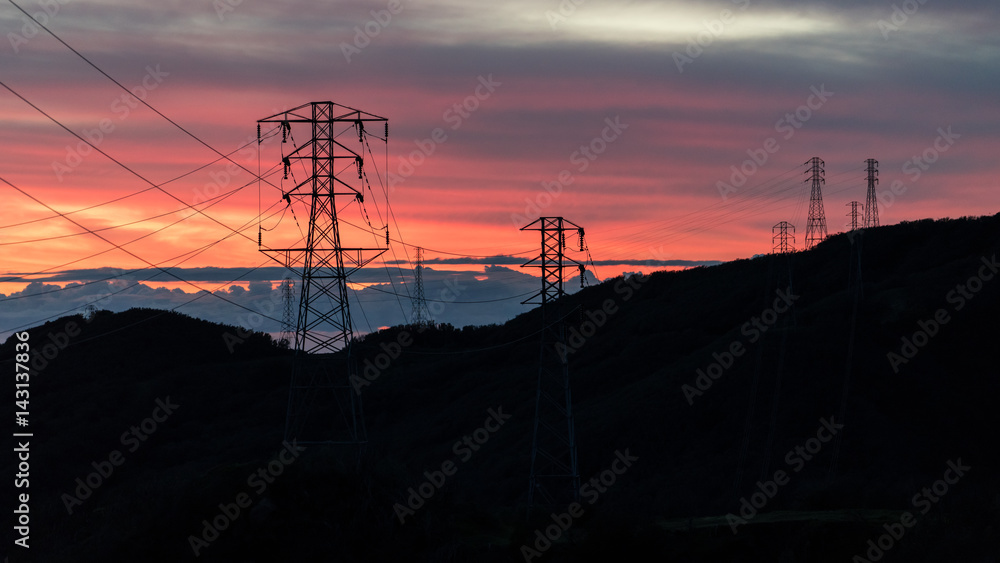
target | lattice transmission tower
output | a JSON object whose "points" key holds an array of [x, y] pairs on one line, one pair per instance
{"points": [[779, 238], [853, 214], [555, 477], [288, 314], [871, 202], [816, 226], [322, 406], [420, 316]]}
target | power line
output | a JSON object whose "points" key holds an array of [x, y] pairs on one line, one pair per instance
{"points": [[130, 253], [127, 91], [130, 223], [136, 240], [508, 298], [116, 161], [133, 194], [161, 313], [700, 224]]}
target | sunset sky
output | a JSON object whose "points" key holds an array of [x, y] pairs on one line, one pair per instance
{"points": [[640, 109]]}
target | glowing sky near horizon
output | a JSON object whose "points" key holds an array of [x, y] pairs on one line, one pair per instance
{"points": [[698, 88]]}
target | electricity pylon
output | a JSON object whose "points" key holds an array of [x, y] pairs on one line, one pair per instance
{"points": [[853, 214], [288, 314], [780, 238], [816, 227], [420, 316], [555, 476], [871, 204], [322, 406]]}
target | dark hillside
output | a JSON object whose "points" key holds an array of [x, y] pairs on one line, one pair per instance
{"points": [[801, 343]]}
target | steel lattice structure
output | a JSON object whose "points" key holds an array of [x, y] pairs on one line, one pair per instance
{"points": [[554, 476], [816, 226], [853, 214], [779, 238], [322, 406], [419, 316], [871, 203], [288, 314]]}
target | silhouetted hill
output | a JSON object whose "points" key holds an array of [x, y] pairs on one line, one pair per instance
{"points": [[701, 445]]}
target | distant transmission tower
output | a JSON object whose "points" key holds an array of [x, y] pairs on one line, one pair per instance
{"points": [[420, 316], [871, 204], [322, 406], [554, 477], [854, 214], [816, 227], [779, 237], [288, 316]]}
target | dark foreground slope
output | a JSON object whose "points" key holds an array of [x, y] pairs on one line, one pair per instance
{"points": [[809, 416]]}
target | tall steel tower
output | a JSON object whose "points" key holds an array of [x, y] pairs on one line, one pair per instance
{"points": [[871, 203], [816, 227], [554, 477], [420, 316], [322, 406], [853, 214], [779, 238], [288, 316]]}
